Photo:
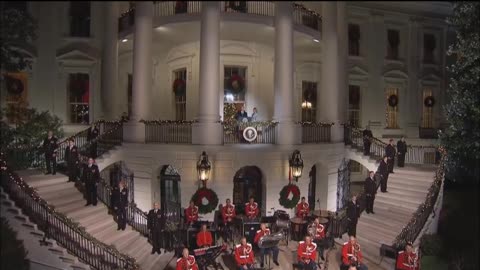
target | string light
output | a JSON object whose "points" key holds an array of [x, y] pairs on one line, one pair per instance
{"points": [[316, 124]]}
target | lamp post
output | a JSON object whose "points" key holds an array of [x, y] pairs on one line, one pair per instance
{"points": [[203, 168], [296, 164]]}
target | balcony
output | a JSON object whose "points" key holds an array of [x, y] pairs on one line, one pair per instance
{"points": [[302, 16]]}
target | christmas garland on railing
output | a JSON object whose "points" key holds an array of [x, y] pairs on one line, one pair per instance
{"points": [[303, 8], [316, 124], [357, 130], [207, 194], [162, 122]]}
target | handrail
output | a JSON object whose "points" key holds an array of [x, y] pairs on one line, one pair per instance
{"points": [[316, 132], [168, 131], [233, 132], [61, 228]]}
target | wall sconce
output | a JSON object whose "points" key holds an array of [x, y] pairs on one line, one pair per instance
{"points": [[203, 168], [296, 164]]}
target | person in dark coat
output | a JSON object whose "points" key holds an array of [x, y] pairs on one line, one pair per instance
{"points": [[50, 145], [370, 189], [91, 177], [353, 213], [367, 141], [156, 224], [72, 159], [383, 171], [92, 139], [120, 204], [390, 153], [402, 151]]}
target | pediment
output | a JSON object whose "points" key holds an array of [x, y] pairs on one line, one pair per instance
{"points": [[176, 53], [395, 74], [431, 77], [78, 52], [237, 49], [358, 71]]}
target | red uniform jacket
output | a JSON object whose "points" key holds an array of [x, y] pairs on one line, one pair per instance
{"points": [[251, 210], [191, 214], [244, 254], [407, 261], [189, 263], [306, 252], [319, 232], [302, 210], [204, 239], [347, 252], [260, 234], [228, 212]]}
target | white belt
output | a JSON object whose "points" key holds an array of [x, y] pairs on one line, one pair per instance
{"points": [[244, 256]]}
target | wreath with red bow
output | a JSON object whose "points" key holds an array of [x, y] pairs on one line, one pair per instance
{"points": [[179, 87], [285, 193], [207, 194], [236, 84], [393, 100], [429, 101]]}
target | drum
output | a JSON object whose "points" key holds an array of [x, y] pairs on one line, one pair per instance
{"points": [[283, 219], [299, 228]]}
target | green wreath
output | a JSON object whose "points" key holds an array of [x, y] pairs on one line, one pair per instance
{"points": [[285, 192], [210, 196]]}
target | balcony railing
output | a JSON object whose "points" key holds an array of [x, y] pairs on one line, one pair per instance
{"points": [[428, 133], [301, 15], [265, 132], [178, 132], [316, 132]]}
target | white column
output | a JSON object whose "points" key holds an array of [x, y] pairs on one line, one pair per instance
{"points": [[342, 26], [109, 93], [331, 105], [287, 131], [414, 94], [208, 130], [142, 71]]}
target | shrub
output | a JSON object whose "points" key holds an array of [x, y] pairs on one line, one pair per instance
{"points": [[431, 245], [13, 254]]}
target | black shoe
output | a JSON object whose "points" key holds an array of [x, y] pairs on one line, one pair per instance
{"points": [[159, 252], [261, 265], [153, 251], [54, 173], [94, 204], [276, 263], [47, 173], [372, 212], [368, 212], [323, 258], [118, 228], [87, 204]]}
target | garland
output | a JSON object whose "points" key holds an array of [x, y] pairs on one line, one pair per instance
{"points": [[316, 124], [285, 192], [179, 87], [393, 101], [209, 195], [161, 122], [236, 84], [429, 101]]}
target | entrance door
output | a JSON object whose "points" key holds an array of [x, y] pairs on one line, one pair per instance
{"points": [[247, 182], [170, 200]]}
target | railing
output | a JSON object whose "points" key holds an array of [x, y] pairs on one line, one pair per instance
{"points": [[266, 132], [301, 15], [168, 131], [316, 132], [428, 133], [64, 230]]}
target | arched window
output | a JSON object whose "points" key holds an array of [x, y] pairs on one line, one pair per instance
{"points": [[247, 182], [169, 185]]}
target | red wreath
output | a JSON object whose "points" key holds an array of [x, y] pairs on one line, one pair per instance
{"points": [[179, 87], [211, 197], [236, 84]]}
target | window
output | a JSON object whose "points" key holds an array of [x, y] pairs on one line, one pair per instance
{"points": [[355, 167], [169, 185], [247, 182], [393, 44], [235, 87], [428, 48], [80, 19], [18, 5], [427, 115], [180, 86], [130, 95], [309, 101], [79, 98], [353, 39], [16, 95], [392, 111], [354, 105]]}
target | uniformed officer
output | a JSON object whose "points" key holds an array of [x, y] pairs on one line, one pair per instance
{"points": [[91, 177], [187, 261], [92, 139], [352, 255], [244, 255], [302, 209], [353, 213], [367, 141], [383, 171], [204, 237], [50, 145], [251, 208], [408, 259], [72, 159], [390, 153], [261, 233], [155, 224], [370, 188], [307, 253], [402, 151], [191, 213], [120, 204]]}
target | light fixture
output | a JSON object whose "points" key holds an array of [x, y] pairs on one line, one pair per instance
{"points": [[296, 164], [316, 40], [124, 40], [306, 105], [229, 97], [203, 168]]}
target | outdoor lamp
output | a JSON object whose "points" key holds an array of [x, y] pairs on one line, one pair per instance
{"points": [[296, 164], [203, 168]]}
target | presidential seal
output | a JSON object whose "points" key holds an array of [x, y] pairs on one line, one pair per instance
{"points": [[250, 134]]}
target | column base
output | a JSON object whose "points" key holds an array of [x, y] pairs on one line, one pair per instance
{"points": [[134, 132], [337, 133], [289, 133], [207, 133]]}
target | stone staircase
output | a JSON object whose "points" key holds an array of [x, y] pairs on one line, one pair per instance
{"points": [[407, 188], [49, 256], [66, 198]]}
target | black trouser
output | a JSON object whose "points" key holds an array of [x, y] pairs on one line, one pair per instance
{"points": [[91, 194], [72, 172], [383, 183], [369, 203], [51, 163], [390, 162], [366, 146], [310, 266], [93, 150], [352, 227], [401, 160], [157, 236], [264, 251], [122, 217], [321, 244]]}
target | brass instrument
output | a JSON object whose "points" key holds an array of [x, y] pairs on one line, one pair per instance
{"points": [[312, 230], [355, 251], [270, 240]]}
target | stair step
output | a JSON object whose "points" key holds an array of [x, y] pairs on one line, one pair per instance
{"points": [[70, 200], [407, 187], [29, 225], [59, 195], [136, 246], [386, 221], [100, 225], [144, 250], [44, 182], [376, 233], [384, 215], [396, 203], [400, 198], [67, 259], [96, 214], [55, 187], [38, 234], [127, 240]]}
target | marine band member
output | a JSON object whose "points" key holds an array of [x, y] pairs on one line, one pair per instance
{"points": [[307, 253], [191, 213], [408, 259], [251, 209], [317, 232], [186, 262], [351, 254], [228, 212], [204, 237], [302, 209], [244, 255], [261, 233]]}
